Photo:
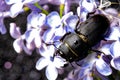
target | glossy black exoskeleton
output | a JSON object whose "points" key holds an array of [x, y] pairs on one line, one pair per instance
{"points": [[75, 46]]}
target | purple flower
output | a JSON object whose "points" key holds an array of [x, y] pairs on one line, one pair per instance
{"points": [[56, 28], [17, 6], [91, 63], [3, 13], [50, 62], [18, 44], [83, 10]]}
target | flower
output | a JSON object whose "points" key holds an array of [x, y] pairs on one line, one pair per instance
{"points": [[83, 10], [50, 62], [17, 6], [91, 64], [3, 13], [18, 44], [57, 26]]}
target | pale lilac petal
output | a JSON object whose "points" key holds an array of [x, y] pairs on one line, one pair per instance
{"points": [[59, 62], [115, 49], [90, 5], [88, 77], [47, 51], [41, 19], [16, 9], [83, 73], [27, 51], [30, 35], [112, 11], [103, 68], [53, 19], [14, 31], [66, 16], [116, 63], [106, 49], [30, 1], [17, 45], [30, 46], [2, 28], [115, 34], [59, 32], [72, 21], [48, 35], [32, 19], [41, 63], [37, 40], [12, 1], [51, 72]]}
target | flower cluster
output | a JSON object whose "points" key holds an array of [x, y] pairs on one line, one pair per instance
{"points": [[44, 31]]}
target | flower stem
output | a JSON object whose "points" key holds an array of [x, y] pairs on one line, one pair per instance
{"points": [[61, 9], [43, 10]]}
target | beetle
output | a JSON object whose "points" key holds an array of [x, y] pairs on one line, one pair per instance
{"points": [[75, 46]]}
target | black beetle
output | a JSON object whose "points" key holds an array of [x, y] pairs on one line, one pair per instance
{"points": [[75, 46]]}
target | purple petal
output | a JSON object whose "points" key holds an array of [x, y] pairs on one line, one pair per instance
{"points": [[14, 31], [41, 63], [115, 49], [30, 35], [36, 20], [48, 35], [12, 1], [16, 9], [116, 63], [103, 68], [59, 32], [32, 18], [30, 1], [51, 72], [18, 45], [115, 34], [88, 77], [72, 21], [53, 19], [82, 73], [90, 5], [2, 27], [30, 46], [59, 62], [37, 40]]}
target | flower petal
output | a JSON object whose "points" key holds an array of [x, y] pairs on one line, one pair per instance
{"points": [[48, 35], [115, 49], [103, 68], [30, 35], [115, 34], [32, 19], [2, 27], [59, 62], [16, 9], [53, 20], [116, 63], [37, 40], [30, 1], [12, 1], [88, 77], [14, 31], [51, 72], [18, 44], [71, 22], [41, 63], [90, 6]]}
